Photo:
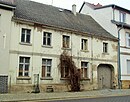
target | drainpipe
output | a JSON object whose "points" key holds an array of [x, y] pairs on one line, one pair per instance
{"points": [[119, 62]]}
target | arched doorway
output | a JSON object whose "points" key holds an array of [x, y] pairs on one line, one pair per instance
{"points": [[105, 76]]}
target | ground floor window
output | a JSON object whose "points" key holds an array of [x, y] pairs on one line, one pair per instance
{"points": [[84, 70], [46, 67], [64, 70], [24, 63], [128, 66]]}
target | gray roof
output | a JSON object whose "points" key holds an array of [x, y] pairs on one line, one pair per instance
{"points": [[58, 17]]}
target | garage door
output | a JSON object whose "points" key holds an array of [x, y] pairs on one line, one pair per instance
{"points": [[104, 77]]}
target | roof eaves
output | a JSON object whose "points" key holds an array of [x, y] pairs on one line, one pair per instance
{"points": [[7, 5], [115, 7]]}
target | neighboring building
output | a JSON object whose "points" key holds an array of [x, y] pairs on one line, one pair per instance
{"points": [[40, 33], [6, 13], [116, 20]]}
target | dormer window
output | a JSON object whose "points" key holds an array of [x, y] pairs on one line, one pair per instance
{"points": [[122, 17]]}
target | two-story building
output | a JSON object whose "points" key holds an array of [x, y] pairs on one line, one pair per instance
{"points": [[40, 33], [116, 20]]}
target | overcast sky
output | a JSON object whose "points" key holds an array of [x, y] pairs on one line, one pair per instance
{"points": [[67, 4]]}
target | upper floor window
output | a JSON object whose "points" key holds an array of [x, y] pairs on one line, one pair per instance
{"points": [[105, 47], [25, 35], [24, 63], [84, 44], [47, 38], [66, 41], [84, 69], [122, 17], [46, 67], [128, 39]]}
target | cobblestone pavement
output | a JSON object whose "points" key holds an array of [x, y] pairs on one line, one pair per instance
{"points": [[62, 95]]}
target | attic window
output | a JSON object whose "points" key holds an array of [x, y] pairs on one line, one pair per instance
{"points": [[61, 10]]}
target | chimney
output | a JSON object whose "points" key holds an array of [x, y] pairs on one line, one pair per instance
{"points": [[74, 9]]}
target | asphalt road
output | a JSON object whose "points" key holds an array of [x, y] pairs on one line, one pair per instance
{"points": [[104, 99]]}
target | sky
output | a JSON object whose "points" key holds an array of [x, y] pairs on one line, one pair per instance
{"points": [[67, 4]]}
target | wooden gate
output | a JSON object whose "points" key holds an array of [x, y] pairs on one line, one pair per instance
{"points": [[104, 77]]}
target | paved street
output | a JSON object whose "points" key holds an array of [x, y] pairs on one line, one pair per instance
{"points": [[28, 97], [106, 99]]}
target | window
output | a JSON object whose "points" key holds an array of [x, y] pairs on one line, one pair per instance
{"points": [[46, 67], [66, 41], [128, 66], [65, 70], [25, 36], [47, 39], [84, 70], [105, 47], [84, 44], [24, 63], [122, 17], [128, 39]]}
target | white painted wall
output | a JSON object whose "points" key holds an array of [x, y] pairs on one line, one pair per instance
{"points": [[5, 29], [36, 51]]}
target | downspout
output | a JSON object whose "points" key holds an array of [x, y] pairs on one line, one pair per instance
{"points": [[119, 62]]}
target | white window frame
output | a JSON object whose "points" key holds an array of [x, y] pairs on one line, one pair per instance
{"points": [[64, 41], [46, 67], [26, 34], [122, 17], [23, 68], [46, 38], [84, 67], [127, 39], [84, 46], [128, 67], [105, 47]]}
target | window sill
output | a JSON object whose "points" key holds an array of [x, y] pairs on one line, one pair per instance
{"points": [[105, 53], [47, 46], [84, 50], [23, 78], [46, 78], [84, 79], [64, 78], [23, 43], [127, 47], [63, 48]]}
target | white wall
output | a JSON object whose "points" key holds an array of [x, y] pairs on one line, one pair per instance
{"points": [[5, 29], [36, 52], [103, 17]]}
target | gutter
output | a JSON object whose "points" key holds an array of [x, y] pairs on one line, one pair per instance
{"points": [[8, 6], [119, 61]]}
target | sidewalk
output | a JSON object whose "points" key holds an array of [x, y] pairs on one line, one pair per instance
{"points": [[62, 95]]}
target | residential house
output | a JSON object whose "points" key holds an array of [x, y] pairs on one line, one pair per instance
{"points": [[40, 33], [115, 20]]}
